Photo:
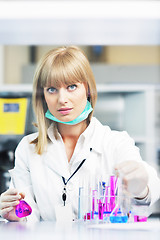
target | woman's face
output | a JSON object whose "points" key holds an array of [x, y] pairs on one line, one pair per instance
{"points": [[66, 102]]}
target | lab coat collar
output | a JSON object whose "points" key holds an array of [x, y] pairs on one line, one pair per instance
{"points": [[94, 127], [50, 133], [93, 135], [91, 138], [58, 164]]}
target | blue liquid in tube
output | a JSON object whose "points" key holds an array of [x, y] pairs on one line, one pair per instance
{"points": [[118, 219]]}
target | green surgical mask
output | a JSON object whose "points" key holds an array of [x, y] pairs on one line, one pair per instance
{"points": [[80, 118]]}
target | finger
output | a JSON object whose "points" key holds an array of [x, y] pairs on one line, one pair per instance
{"points": [[10, 198], [131, 175], [120, 165], [5, 211], [11, 191], [137, 174], [22, 194], [127, 167], [8, 204]]}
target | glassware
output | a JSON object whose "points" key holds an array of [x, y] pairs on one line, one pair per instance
{"points": [[120, 212], [23, 209]]}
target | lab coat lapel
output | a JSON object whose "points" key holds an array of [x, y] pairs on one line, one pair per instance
{"points": [[56, 160], [83, 154]]}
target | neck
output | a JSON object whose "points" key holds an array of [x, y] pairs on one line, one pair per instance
{"points": [[72, 131]]}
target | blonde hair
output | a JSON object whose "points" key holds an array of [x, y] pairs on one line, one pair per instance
{"points": [[64, 65]]}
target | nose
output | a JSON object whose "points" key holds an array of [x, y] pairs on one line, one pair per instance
{"points": [[62, 96]]}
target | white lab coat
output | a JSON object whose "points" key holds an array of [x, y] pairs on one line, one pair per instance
{"points": [[40, 176]]}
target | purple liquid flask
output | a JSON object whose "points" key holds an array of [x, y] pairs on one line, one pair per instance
{"points": [[22, 209]]}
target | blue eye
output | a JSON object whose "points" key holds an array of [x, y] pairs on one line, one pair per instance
{"points": [[51, 90], [72, 87]]}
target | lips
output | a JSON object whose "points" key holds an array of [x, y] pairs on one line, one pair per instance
{"points": [[65, 111]]}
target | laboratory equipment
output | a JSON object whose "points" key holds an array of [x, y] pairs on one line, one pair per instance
{"points": [[140, 218], [108, 202], [119, 213], [23, 209], [139, 213]]}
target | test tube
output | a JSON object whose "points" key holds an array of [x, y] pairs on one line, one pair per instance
{"points": [[107, 199], [80, 204], [112, 191], [100, 209], [94, 202]]}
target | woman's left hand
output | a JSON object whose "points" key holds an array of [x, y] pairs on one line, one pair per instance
{"points": [[134, 177]]}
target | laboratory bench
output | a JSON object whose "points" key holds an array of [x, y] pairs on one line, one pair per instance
{"points": [[80, 230]]}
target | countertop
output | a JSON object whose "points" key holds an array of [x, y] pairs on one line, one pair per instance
{"points": [[80, 230]]}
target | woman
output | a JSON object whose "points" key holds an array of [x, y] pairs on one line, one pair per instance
{"points": [[70, 144]]}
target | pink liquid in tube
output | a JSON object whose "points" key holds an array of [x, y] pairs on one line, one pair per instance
{"points": [[140, 218], [113, 182], [100, 210]]}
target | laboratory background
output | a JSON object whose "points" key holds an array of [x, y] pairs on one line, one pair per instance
{"points": [[122, 43]]}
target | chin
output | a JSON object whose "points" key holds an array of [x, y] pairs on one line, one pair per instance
{"points": [[65, 119]]}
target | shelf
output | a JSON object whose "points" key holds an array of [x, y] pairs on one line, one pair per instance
{"points": [[126, 88], [140, 139], [16, 88], [133, 108]]}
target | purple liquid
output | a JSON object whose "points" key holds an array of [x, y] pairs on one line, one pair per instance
{"points": [[23, 209]]}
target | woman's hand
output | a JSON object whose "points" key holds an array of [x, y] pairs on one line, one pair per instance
{"points": [[134, 177], [8, 202]]}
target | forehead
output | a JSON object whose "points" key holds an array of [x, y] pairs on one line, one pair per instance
{"points": [[62, 78], [63, 70], [60, 83]]}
